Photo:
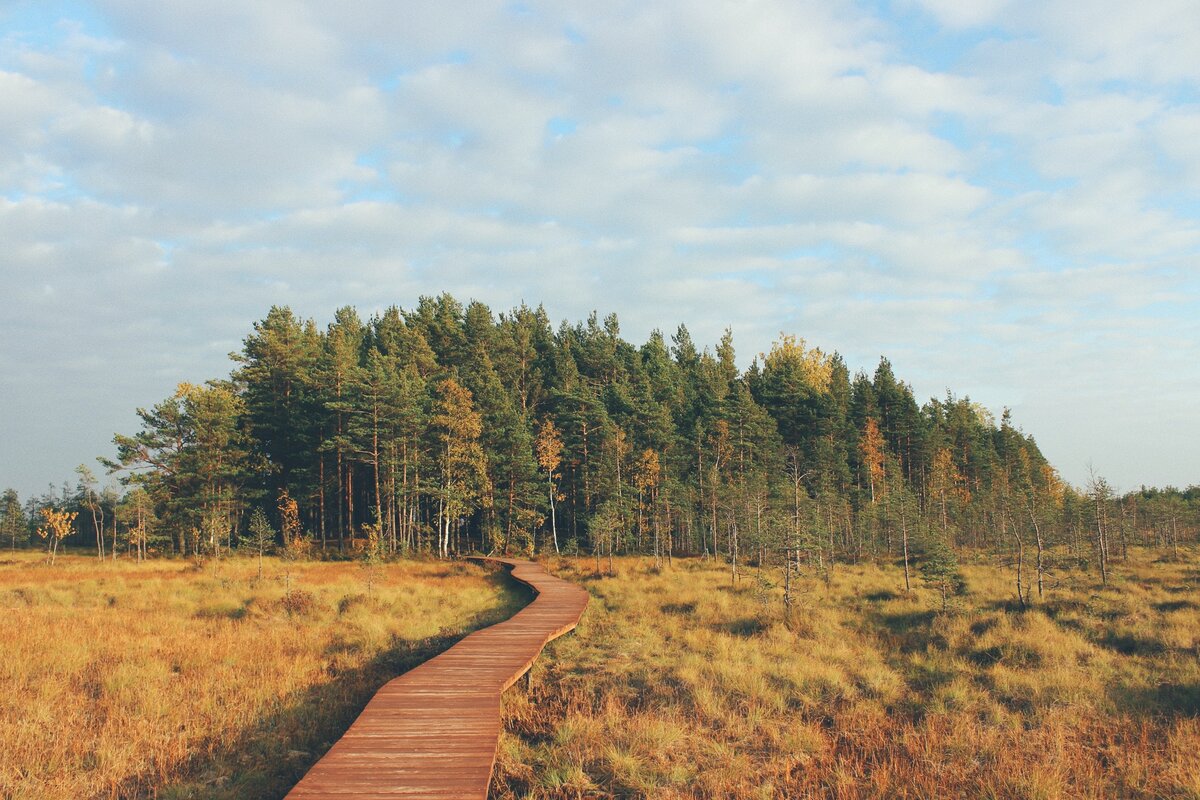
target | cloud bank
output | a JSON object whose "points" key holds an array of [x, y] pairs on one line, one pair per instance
{"points": [[1003, 197]]}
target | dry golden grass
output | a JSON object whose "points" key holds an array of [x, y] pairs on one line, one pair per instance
{"points": [[677, 685], [166, 680]]}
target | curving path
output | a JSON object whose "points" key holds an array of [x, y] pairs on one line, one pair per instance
{"points": [[433, 731]]}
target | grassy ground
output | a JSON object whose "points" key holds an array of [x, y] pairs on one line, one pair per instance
{"points": [[677, 685], [167, 680]]}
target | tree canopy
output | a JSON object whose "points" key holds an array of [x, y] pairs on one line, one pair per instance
{"points": [[448, 428]]}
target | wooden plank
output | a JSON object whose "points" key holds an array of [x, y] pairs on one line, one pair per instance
{"points": [[433, 732]]}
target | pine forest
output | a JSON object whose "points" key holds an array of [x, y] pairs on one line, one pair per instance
{"points": [[447, 429]]}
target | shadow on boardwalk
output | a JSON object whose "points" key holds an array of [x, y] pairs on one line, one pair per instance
{"points": [[433, 731], [265, 760]]}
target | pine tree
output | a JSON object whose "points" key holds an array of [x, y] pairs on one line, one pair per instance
{"points": [[88, 498], [524, 343], [193, 457], [277, 381], [945, 486], [135, 510], [939, 568], [217, 466], [1101, 494], [259, 537], [13, 524], [374, 404], [337, 369]]}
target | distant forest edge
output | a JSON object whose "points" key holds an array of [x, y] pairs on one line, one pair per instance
{"points": [[446, 428]]}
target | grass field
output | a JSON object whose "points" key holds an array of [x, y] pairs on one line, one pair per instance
{"points": [[677, 685], [168, 680]]}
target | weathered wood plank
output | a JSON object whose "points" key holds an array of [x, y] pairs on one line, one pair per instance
{"points": [[433, 732]]}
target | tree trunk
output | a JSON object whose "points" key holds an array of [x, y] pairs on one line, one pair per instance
{"points": [[1020, 565], [99, 531], [732, 544], [587, 491], [612, 541], [553, 515], [716, 553], [1101, 547], [321, 497], [700, 512], [1037, 532], [1124, 542], [670, 531], [375, 467], [405, 529], [341, 490], [654, 523]]}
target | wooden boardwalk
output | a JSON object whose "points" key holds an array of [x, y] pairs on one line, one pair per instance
{"points": [[433, 731]]}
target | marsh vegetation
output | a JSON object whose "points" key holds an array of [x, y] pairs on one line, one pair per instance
{"points": [[173, 679], [680, 684], [183, 679]]}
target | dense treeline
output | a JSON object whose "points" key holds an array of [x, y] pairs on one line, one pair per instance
{"points": [[445, 428]]}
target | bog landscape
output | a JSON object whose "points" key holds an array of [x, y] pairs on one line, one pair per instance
{"points": [[804, 582], [527, 400]]}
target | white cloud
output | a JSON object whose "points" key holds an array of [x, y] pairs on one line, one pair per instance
{"points": [[1178, 134], [965, 13], [1021, 226]]}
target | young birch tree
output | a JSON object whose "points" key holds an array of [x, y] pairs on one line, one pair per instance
{"points": [[457, 427], [549, 447], [59, 525]]}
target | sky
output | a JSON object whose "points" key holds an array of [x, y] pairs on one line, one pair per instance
{"points": [[1002, 197]]}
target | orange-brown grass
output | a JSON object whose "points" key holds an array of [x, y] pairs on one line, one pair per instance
{"points": [[167, 680], [677, 685]]}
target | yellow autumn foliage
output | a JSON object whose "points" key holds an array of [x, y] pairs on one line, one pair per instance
{"points": [[814, 364]]}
